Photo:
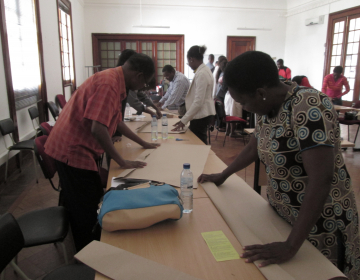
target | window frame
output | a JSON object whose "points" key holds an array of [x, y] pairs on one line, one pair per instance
{"points": [[345, 15], [97, 38], [66, 83], [43, 113]]}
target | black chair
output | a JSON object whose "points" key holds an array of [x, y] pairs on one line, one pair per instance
{"points": [[53, 110], [12, 241], [7, 128], [34, 115], [221, 115]]}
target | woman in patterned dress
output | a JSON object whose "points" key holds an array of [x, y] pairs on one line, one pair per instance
{"points": [[297, 137]]}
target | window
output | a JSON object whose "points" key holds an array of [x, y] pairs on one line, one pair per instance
{"points": [[66, 43], [163, 49], [22, 51], [343, 49]]}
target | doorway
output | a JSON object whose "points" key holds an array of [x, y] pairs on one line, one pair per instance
{"points": [[237, 45]]}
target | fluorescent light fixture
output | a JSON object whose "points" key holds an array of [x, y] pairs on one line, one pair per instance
{"points": [[249, 28], [151, 26]]}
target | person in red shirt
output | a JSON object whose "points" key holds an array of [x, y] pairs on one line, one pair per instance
{"points": [[283, 70], [302, 81], [333, 84], [82, 134]]}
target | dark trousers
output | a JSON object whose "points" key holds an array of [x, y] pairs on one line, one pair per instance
{"points": [[82, 191], [199, 127], [337, 101]]}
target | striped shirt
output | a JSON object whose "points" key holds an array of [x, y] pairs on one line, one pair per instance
{"points": [[97, 99], [177, 91], [333, 88]]}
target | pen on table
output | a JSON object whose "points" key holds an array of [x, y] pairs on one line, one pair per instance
{"points": [[179, 139]]}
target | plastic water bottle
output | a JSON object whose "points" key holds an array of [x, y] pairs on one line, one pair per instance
{"points": [[186, 185], [128, 111], [154, 129], [164, 127]]}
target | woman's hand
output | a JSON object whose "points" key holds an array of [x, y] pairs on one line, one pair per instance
{"points": [[179, 126], [217, 178], [128, 164], [148, 145], [276, 252]]}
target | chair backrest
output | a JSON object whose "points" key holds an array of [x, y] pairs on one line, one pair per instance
{"points": [[33, 112], [46, 162], [220, 110], [60, 100], [6, 127], [45, 128], [53, 109], [11, 239]]}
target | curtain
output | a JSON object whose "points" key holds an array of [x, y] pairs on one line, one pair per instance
{"points": [[23, 51]]}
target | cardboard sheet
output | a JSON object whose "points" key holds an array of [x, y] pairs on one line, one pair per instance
{"points": [[119, 264], [146, 128], [262, 225], [165, 163]]}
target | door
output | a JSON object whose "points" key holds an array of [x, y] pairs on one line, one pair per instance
{"points": [[237, 45]]}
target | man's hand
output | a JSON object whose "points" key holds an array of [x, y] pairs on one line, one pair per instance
{"points": [[178, 126], [132, 164], [276, 252], [158, 113], [217, 178], [148, 145], [159, 105]]}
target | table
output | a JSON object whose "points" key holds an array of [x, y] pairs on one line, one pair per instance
{"points": [[179, 244], [344, 109]]}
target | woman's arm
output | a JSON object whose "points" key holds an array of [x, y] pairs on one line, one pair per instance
{"points": [[246, 157], [319, 166]]}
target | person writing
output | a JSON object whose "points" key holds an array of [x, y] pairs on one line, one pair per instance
{"points": [[284, 71], [175, 95], [200, 107], [333, 84], [297, 137], [83, 132]]}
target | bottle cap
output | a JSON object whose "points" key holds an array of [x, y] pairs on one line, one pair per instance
{"points": [[164, 115], [153, 116], [186, 165]]}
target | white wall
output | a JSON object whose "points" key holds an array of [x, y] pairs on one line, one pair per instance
{"points": [[305, 45], [200, 25]]}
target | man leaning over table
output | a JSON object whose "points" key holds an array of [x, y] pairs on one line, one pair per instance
{"points": [[176, 93], [82, 134], [333, 84]]}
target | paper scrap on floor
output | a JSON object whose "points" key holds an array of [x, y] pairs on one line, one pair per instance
{"points": [[220, 246]]}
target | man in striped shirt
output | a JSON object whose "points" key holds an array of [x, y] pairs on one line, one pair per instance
{"points": [[179, 86], [333, 84]]}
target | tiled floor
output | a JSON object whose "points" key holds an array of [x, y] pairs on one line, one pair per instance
{"points": [[21, 194]]}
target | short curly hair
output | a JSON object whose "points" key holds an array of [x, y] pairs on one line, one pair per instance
{"points": [[250, 71]]}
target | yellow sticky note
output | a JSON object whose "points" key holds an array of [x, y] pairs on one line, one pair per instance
{"points": [[220, 246]]}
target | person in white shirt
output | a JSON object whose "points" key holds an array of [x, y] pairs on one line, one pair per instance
{"points": [[200, 107], [175, 95]]}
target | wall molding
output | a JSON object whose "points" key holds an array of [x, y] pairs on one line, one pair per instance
{"points": [[87, 4], [308, 6]]}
